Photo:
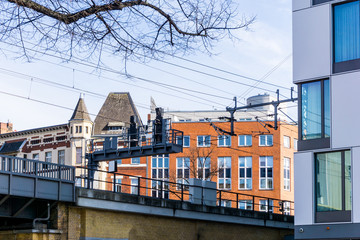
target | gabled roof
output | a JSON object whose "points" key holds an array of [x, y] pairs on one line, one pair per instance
{"points": [[12, 147], [80, 112], [34, 130], [118, 107]]}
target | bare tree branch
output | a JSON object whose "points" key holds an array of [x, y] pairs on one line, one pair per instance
{"points": [[144, 27]]}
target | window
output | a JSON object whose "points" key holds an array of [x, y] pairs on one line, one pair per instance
{"points": [[61, 157], [263, 207], [76, 129], [333, 186], [225, 203], [287, 141], [315, 115], [185, 141], [224, 140], [286, 208], [224, 176], [118, 162], [78, 155], [182, 171], [48, 156], [246, 204], [78, 182], [160, 170], [203, 141], [87, 129], [346, 22], [80, 129], [287, 174], [135, 160], [118, 184], [245, 140], [245, 173], [134, 185], [320, 1], [266, 172], [35, 156], [295, 144], [203, 168], [265, 140]]}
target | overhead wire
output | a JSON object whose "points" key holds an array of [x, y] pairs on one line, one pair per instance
{"points": [[204, 73], [117, 72]]}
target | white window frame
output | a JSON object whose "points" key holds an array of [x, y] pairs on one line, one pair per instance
{"points": [[224, 141], [203, 166], [266, 139], [286, 208], [247, 142], [263, 205], [48, 157], [118, 184], [267, 179], [77, 159], [246, 178], [205, 141], [246, 204], [287, 173], [36, 156], [225, 203], [225, 179], [295, 144], [287, 141], [182, 164], [164, 159], [135, 163], [134, 183], [61, 156]]}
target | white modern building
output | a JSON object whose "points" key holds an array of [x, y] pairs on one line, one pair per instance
{"points": [[326, 50]]}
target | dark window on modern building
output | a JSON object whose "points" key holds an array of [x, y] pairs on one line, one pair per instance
{"points": [[314, 115], [333, 186], [320, 1], [346, 28]]}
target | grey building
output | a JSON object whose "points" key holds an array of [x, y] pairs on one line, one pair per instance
{"points": [[326, 51]]}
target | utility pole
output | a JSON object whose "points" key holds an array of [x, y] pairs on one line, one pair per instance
{"points": [[274, 103]]}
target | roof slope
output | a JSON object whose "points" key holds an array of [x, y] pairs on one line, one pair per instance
{"points": [[118, 107], [12, 147], [80, 111]]}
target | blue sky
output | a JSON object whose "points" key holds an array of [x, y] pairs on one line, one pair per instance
{"points": [[264, 48]]}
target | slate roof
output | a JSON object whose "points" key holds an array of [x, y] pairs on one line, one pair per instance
{"points": [[80, 112], [118, 107], [12, 147]]}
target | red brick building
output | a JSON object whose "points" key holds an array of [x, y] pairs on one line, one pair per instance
{"points": [[257, 161]]}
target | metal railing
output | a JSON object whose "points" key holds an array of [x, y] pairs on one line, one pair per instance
{"points": [[29, 167], [141, 139], [164, 189]]}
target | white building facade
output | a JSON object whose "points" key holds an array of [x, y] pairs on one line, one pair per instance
{"points": [[326, 51]]}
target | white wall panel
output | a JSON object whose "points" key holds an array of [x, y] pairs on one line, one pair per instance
{"points": [[356, 184], [345, 110], [300, 4], [303, 180], [311, 43]]}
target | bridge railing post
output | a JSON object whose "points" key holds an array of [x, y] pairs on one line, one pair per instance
{"points": [[138, 187], [237, 201], [220, 198], [114, 182], [253, 203], [161, 189], [182, 192]]}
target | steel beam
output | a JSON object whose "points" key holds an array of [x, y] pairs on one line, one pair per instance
{"points": [[23, 207]]}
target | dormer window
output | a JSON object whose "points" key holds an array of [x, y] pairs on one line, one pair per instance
{"points": [[115, 126]]}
